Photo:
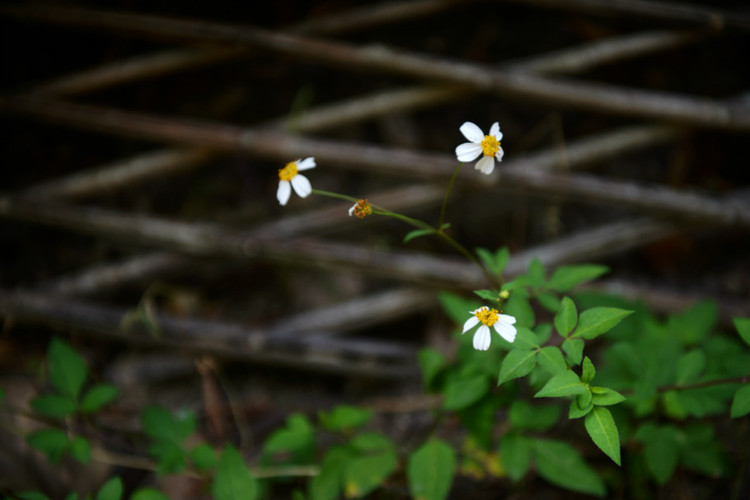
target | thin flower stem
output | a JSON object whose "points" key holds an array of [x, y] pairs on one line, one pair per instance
{"points": [[447, 194], [331, 194]]}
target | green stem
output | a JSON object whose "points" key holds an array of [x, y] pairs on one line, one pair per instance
{"points": [[331, 194], [445, 198]]}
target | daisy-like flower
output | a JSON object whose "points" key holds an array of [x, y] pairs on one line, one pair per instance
{"points": [[502, 323], [289, 177], [487, 145], [361, 209]]}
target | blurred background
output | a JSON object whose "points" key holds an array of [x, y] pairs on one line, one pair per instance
{"points": [[139, 156]]}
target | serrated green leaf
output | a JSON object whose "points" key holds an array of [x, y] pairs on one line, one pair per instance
{"points": [[364, 474], [54, 405], [604, 396], [431, 362], [598, 320], [566, 383], [567, 317], [345, 417], [566, 277], [573, 349], [603, 432], [233, 480], [111, 490], [549, 301], [97, 397], [551, 359], [489, 295], [430, 470], [417, 233], [516, 452], [464, 392], [67, 369], [741, 402], [524, 416], [526, 340], [148, 494], [51, 442], [743, 328], [329, 481], [516, 364], [690, 366], [80, 449], [203, 457], [588, 371], [562, 465]]}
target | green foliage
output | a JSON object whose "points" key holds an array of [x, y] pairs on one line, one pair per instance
{"points": [[233, 480], [294, 443], [743, 328], [517, 363], [111, 490], [54, 405], [494, 262], [67, 369], [565, 383], [97, 397], [741, 402], [148, 494], [601, 427], [168, 433], [566, 277], [567, 317], [598, 320], [561, 464], [52, 442], [430, 470], [431, 363], [516, 451], [464, 392], [344, 418], [203, 457]]}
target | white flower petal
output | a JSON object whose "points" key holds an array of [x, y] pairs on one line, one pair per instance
{"points": [[486, 165], [506, 318], [306, 164], [284, 191], [472, 132], [506, 331], [482, 338], [499, 154], [301, 185], [495, 130], [468, 151], [351, 209], [470, 323]]}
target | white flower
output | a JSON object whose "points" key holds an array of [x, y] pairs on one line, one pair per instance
{"points": [[502, 323], [289, 177], [487, 145]]}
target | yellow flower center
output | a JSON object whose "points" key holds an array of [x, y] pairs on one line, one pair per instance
{"points": [[487, 316], [490, 145], [288, 172], [362, 209]]}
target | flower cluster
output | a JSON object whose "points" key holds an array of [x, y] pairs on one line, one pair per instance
{"points": [[361, 209]]}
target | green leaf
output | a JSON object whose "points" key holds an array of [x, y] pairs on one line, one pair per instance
{"points": [[169, 456], [364, 474], [562, 465], [456, 307], [344, 417], [518, 306], [523, 416], [741, 402], [573, 349], [203, 457], [566, 277], [296, 437], [488, 260], [31, 495], [502, 256], [516, 364], [566, 383], [54, 405], [588, 371], [465, 392], [489, 295], [148, 494], [516, 452], [694, 325], [577, 409], [2, 395], [112, 490], [525, 339], [598, 320], [327, 484], [80, 449], [549, 301], [690, 366], [662, 453], [97, 397], [161, 425], [416, 233], [743, 328], [551, 359], [604, 396], [431, 362], [233, 480], [601, 427], [567, 317], [430, 470], [371, 442], [51, 442], [67, 369]]}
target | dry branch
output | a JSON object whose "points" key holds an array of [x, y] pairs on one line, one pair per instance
{"points": [[311, 351], [271, 143], [598, 97]]}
